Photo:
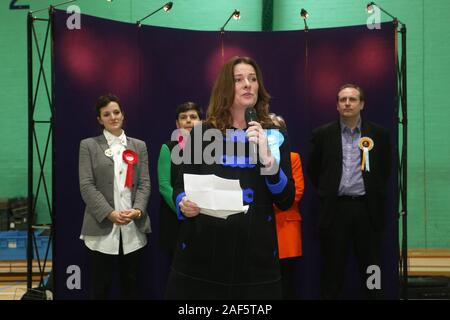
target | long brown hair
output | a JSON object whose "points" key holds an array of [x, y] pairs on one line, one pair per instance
{"points": [[222, 96]]}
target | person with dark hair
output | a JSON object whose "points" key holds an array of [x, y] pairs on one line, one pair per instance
{"points": [[233, 257], [188, 111], [349, 165], [115, 186], [289, 231], [188, 114]]}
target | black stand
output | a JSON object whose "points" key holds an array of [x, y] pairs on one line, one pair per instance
{"points": [[39, 149], [402, 114]]}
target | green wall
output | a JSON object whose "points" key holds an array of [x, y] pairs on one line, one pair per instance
{"points": [[428, 83]]}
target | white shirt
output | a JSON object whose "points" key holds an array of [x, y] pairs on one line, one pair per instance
{"points": [[132, 238]]}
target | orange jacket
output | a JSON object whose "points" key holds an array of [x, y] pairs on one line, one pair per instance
{"points": [[289, 221]]}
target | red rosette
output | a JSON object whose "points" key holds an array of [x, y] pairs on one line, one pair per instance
{"points": [[131, 158]]}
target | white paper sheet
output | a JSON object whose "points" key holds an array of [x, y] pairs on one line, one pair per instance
{"points": [[217, 197]]}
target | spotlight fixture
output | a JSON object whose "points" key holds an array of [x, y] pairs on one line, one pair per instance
{"points": [[168, 6], [165, 7], [236, 15], [370, 9], [304, 15]]}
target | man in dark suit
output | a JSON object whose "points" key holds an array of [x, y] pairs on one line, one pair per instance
{"points": [[349, 165]]}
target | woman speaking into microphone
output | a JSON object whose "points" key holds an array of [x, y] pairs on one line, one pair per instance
{"points": [[115, 186], [236, 257]]}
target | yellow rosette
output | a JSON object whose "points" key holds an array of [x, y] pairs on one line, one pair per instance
{"points": [[365, 144]]}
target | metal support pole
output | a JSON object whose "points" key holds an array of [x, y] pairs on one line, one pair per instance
{"points": [[404, 165], [30, 150]]}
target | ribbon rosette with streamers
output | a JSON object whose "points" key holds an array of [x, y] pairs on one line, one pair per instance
{"points": [[365, 144], [131, 158]]}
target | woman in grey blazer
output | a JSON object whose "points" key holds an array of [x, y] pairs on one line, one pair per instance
{"points": [[115, 186]]}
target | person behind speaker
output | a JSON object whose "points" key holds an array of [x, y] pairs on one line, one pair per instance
{"points": [[115, 220], [188, 114], [352, 191], [234, 258], [289, 231]]}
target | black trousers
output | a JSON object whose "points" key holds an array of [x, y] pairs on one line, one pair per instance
{"points": [[102, 271], [351, 226], [287, 268]]}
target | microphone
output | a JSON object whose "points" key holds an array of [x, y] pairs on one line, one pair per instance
{"points": [[250, 115]]}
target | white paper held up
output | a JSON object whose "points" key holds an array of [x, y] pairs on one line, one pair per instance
{"points": [[217, 197]]}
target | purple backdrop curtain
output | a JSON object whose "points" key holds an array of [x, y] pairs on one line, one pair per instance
{"points": [[152, 70]]}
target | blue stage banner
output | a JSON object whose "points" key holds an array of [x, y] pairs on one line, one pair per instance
{"points": [[153, 69]]}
